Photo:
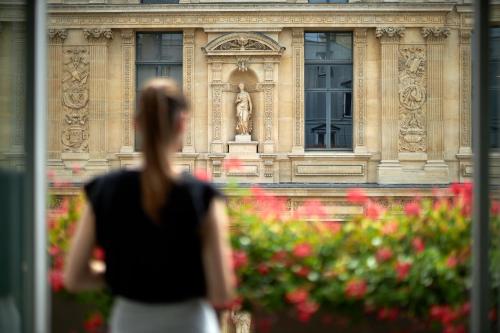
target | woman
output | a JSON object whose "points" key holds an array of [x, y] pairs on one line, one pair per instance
{"points": [[164, 234]]}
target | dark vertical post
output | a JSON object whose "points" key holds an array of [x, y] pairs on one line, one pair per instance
{"points": [[480, 140]]}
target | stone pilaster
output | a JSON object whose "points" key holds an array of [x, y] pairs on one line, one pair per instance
{"points": [[98, 51], [435, 38], [18, 86], [298, 89], [465, 92], [360, 90], [128, 90], [55, 74], [389, 38], [268, 87], [188, 83], [217, 87]]}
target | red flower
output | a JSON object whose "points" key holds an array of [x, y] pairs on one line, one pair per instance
{"points": [[76, 169], [403, 270], [452, 261], [240, 259], [297, 296], [303, 272], [390, 227], [355, 289], [388, 314], [264, 325], [418, 244], [495, 208], [263, 269], [202, 175], [99, 254], [306, 309], [231, 164], [258, 192], [465, 309], [58, 262], [492, 315], [384, 254], [302, 250], [334, 227], [312, 208], [54, 250], [373, 210], [356, 196], [412, 209], [279, 256], [56, 280], [93, 323]]}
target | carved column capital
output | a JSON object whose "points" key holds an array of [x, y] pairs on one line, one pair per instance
{"points": [[390, 34], [97, 35], [188, 36], [297, 36], [465, 36], [128, 36], [57, 36], [435, 34]]}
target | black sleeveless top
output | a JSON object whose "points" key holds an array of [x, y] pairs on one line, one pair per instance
{"points": [[147, 261]]}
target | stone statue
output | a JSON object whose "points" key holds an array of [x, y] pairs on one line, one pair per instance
{"points": [[243, 112]]}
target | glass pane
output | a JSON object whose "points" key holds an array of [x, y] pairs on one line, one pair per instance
{"points": [[148, 47], [159, 1], [315, 76], [171, 47], [328, 46], [494, 86], [315, 120], [341, 77], [328, 1], [341, 120]]}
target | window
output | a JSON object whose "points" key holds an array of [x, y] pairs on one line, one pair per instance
{"points": [[328, 90], [494, 87], [159, 1], [159, 54]]}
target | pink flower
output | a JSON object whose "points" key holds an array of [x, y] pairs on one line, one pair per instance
{"points": [[355, 289], [202, 175], [334, 227], [495, 208], [257, 192], [76, 169], [452, 261], [390, 227], [373, 210], [465, 309], [240, 259], [412, 209], [302, 250], [50, 175], [356, 196], [306, 309], [231, 164], [54, 250], [312, 208], [297, 296], [279, 256], [303, 272], [93, 323], [418, 244], [56, 280], [384, 254], [58, 262], [402, 270]]}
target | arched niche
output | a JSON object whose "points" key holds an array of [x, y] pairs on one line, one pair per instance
{"points": [[253, 58]]}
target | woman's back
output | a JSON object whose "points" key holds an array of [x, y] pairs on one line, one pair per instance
{"points": [[149, 261]]}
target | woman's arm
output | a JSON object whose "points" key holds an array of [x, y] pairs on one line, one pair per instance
{"points": [[79, 275], [217, 255]]}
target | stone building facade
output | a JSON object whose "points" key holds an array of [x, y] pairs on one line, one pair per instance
{"points": [[364, 93]]}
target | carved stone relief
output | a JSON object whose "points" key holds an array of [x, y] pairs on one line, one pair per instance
{"points": [[243, 43], [390, 34], [75, 99], [465, 88], [97, 34], [128, 64], [412, 96], [57, 35], [436, 34]]}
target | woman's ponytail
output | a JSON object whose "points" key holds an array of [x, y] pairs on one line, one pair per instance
{"points": [[161, 103]]}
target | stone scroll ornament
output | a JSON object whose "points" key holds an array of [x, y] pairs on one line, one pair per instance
{"points": [[412, 96], [75, 99]]}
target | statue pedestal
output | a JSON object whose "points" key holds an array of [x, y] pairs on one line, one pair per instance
{"points": [[243, 147], [243, 138]]}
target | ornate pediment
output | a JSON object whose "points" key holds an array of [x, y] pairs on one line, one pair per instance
{"points": [[247, 43]]}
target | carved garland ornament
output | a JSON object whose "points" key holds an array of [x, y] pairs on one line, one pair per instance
{"points": [[412, 96], [75, 99]]}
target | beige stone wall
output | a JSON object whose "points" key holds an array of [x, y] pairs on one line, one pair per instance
{"points": [[397, 48]]}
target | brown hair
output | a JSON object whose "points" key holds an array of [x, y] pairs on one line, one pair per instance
{"points": [[161, 104]]}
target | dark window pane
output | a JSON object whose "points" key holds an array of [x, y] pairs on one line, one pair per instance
{"points": [[148, 47], [159, 1], [171, 47], [328, 90], [494, 87], [327, 1], [328, 46]]}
